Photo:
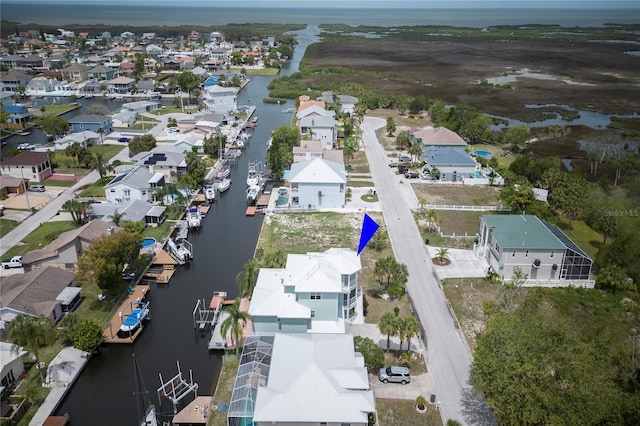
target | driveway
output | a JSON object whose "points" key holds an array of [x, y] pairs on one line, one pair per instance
{"points": [[464, 264], [447, 356]]}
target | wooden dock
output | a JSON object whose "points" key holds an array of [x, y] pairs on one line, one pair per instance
{"points": [[110, 333], [162, 268], [251, 211], [196, 413]]}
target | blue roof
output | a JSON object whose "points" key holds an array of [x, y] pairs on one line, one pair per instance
{"points": [[213, 79], [447, 156]]}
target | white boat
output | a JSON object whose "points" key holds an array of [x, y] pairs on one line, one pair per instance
{"points": [[194, 218], [224, 172], [180, 249], [210, 193], [26, 146], [224, 184], [253, 177], [269, 143], [132, 321], [240, 143], [253, 192]]}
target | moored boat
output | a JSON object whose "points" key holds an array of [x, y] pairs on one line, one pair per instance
{"points": [[224, 172], [253, 192], [194, 219], [133, 320], [180, 249], [224, 185], [253, 178], [210, 193]]}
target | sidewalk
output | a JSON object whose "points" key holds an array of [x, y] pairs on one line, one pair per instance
{"points": [[62, 372]]}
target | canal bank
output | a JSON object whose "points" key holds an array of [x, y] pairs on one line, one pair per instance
{"points": [[103, 394]]}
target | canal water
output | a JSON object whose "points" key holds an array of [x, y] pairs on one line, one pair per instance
{"points": [[104, 392]]}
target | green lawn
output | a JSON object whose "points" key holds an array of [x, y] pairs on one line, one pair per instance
{"points": [[6, 225], [393, 412], [586, 238], [96, 189], [41, 236], [224, 389]]}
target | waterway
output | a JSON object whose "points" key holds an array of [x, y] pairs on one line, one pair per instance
{"points": [[104, 392]]}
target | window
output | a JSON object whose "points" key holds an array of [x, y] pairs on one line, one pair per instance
{"points": [[313, 314], [513, 254], [552, 253], [316, 296], [526, 253], [68, 265]]}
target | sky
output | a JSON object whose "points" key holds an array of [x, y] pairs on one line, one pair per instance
{"points": [[557, 4]]}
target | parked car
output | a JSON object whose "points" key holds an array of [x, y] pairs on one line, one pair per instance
{"points": [[37, 188], [395, 374], [14, 262], [403, 169], [411, 175]]}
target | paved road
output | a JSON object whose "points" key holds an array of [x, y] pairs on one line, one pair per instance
{"points": [[51, 209], [447, 356]]}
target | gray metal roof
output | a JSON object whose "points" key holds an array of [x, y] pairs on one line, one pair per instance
{"points": [[522, 232], [447, 156]]}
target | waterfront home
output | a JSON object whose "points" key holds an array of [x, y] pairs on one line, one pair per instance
{"points": [[167, 159], [345, 103], [76, 72], [133, 210], [453, 164], [539, 249], [137, 184], [31, 165], [313, 293], [124, 119], [437, 137], [319, 128], [84, 139], [11, 364], [34, 63], [318, 183], [140, 107], [13, 80], [101, 73], [64, 251], [10, 61], [301, 379], [95, 123], [39, 293], [40, 86], [218, 99], [121, 85], [309, 150], [19, 116], [314, 110]]}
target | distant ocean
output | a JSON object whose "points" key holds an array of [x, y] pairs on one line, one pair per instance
{"points": [[60, 15]]}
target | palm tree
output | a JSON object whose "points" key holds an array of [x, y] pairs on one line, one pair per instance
{"points": [[422, 202], [415, 150], [100, 164], [388, 324], [32, 333], [410, 328], [442, 254], [232, 323], [247, 278], [116, 217]]}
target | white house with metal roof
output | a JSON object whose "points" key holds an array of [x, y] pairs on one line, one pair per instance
{"points": [[220, 99], [319, 128], [167, 159], [542, 251], [313, 293], [453, 164], [138, 184], [318, 183], [314, 380]]}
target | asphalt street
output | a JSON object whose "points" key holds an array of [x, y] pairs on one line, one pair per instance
{"points": [[447, 356]]}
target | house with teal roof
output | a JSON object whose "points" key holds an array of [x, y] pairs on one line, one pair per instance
{"points": [[541, 250]]}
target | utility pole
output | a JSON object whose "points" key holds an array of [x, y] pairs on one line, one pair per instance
{"points": [[24, 186]]}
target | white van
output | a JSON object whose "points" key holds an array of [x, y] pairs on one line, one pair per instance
{"points": [[404, 158]]}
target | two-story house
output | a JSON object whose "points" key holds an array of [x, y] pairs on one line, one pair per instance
{"points": [[64, 251], [96, 123], [318, 183], [101, 73], [31, 165], [76, 72], [169, 160], [218, 99], [19, 116], [313, 293], [121, 85], [13, 80], [139, 183], [542, 251], [323, 128]]}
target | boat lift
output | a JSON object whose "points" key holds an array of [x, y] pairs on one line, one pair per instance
{"points": [[177, 388]]}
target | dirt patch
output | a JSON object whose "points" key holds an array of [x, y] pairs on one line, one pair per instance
{"points": [[587, 75], [457, 194]]}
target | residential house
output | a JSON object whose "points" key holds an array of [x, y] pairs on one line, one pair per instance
{"points": [[31, 165], [140, 107], [318, 183], [313, 293], [154, 50], [437, 137], [101, 73], [38, 293], [134, 210], [124, 119], [137, 184], [19, 116], [216, 37], [11, 364], [301, 379], [453, 164], [168, 160], [313, 110], [539, 249], [34, 63], [10, 61], [345, 103], [84, 139], [40, 86], [96, 123], [12, 185], [187, 142], [313, 149], [76, 72], [218, 99], [121, 85], [64, 251], [13, 80], [319, 128]]}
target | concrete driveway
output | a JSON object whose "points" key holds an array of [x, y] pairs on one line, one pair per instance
{"points": [[420, 385], [464, 264]]}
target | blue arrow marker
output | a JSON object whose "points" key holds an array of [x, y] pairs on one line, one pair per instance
{"points": [[369, 227]]}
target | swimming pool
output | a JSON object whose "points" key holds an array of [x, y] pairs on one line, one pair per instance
{"points": [[148, 242], [477, 175], [287, 174], [484, 154]]}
